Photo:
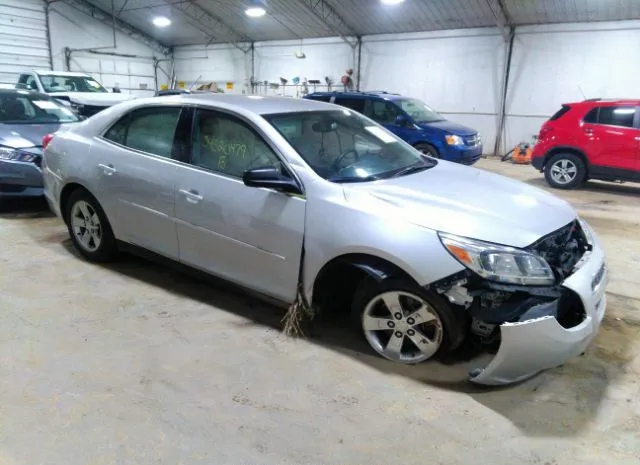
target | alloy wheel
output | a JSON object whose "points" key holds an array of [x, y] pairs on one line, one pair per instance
{"points": [[402, 327], [564, 171], [86, 226]]}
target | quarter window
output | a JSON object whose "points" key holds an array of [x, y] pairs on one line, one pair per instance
{"points": [[149, 130], [227, 145]]}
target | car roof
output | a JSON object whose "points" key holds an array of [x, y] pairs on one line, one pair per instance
{"points": [[364, 95], [48, 72], [608, 101], [262, 105]]}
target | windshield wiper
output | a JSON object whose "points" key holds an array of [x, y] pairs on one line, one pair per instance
{"points": [[412, 169]]}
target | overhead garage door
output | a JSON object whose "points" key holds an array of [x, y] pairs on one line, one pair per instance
{"points": [[23, 38], [132, 75]]}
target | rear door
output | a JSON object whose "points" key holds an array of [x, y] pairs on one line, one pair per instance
{"points": [[611, 139], [136, 170], [386, 113]]}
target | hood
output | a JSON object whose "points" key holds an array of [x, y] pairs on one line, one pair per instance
{"points": [[102, 99], [22, 136], [450, 127], [468, 202]]}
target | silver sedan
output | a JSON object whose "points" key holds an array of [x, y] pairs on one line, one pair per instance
{"points": [[293, 198]]}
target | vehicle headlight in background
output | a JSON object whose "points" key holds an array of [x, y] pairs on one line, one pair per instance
{"points": [[7, 153], [454, 140], [499, 263]]}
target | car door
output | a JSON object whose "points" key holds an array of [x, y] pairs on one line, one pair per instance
{"points": [[610, 138], [136, 170], [386, 114], [247, 235]]}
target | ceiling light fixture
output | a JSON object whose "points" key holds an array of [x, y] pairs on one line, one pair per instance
{"points": [[255, 11], [161, 21], [391, 2]]}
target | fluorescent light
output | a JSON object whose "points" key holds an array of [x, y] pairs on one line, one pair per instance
{"points": [[255, 11], [161, 21], [391, 2]]}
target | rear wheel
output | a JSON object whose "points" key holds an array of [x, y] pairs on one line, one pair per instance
{"points": [[89, 227], [565, 171], [427, 149], [403, 322]]}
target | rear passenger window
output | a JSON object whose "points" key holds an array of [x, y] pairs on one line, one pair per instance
{"points": [[355, 104], [617, 116], [149, 130]]}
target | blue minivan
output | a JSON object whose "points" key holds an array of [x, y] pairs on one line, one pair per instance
{"points": [[414, 122]]}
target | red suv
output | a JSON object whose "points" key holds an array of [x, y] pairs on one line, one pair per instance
{"points": [[594, 139]]}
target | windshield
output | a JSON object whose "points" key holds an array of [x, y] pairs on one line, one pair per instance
{"points": [[419, 111], [22, 107], [344, 146], [52, 83]]}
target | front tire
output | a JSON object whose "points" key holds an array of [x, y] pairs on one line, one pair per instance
{"points": [[403, 322], [89, 228], [427, 149], [565, 171]]}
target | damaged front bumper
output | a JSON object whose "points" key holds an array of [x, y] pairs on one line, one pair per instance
{"points": [[535, 344]]}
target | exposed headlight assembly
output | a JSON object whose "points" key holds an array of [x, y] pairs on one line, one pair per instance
{"points": [[499, 263], [8, 153]]}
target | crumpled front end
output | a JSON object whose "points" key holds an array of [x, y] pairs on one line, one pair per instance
{"points": [[531, 329]]}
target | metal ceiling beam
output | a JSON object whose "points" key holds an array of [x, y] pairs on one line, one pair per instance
{"points": [[208, 23], [107, 18], [500, 13], [325, 13]]}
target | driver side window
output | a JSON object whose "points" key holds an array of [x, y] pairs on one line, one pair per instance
{"points": [[227, 145], [384, 112]]}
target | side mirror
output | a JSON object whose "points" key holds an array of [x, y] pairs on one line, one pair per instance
{"points": [[116, 90], [402, 120], [271, 178]]}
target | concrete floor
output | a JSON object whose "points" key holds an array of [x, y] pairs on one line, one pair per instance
{"points": [[135, 364]]}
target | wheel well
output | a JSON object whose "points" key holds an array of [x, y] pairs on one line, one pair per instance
{"points": [[427, 143], [338, 280], [571, 150], [66, 193]]}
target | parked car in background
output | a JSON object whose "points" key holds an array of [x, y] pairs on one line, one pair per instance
{"points": [[84, 94], [414, 122], [25, 119], [290, 197], [593, 139]]}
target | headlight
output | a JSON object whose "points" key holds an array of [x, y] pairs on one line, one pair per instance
{"points": [[587, 230], [7, 153], [499, 263], [454, 140]]}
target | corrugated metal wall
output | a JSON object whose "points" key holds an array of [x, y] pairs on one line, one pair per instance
{"points": [[23, 38]]}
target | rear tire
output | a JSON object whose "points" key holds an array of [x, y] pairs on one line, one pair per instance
{"points": [[89, 228], [565, 171], [419, 327], [427, 149]]}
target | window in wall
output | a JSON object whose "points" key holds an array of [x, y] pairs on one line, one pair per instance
{"points": [[226, 144]]}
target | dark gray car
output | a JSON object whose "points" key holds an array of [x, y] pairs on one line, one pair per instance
{"points": [[25, 118]]}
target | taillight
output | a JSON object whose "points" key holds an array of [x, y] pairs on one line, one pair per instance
{"points": [[46, 140]]}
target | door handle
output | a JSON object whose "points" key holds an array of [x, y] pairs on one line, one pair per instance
{"points": [[192, 195], [588, 131], [107, 169]]}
